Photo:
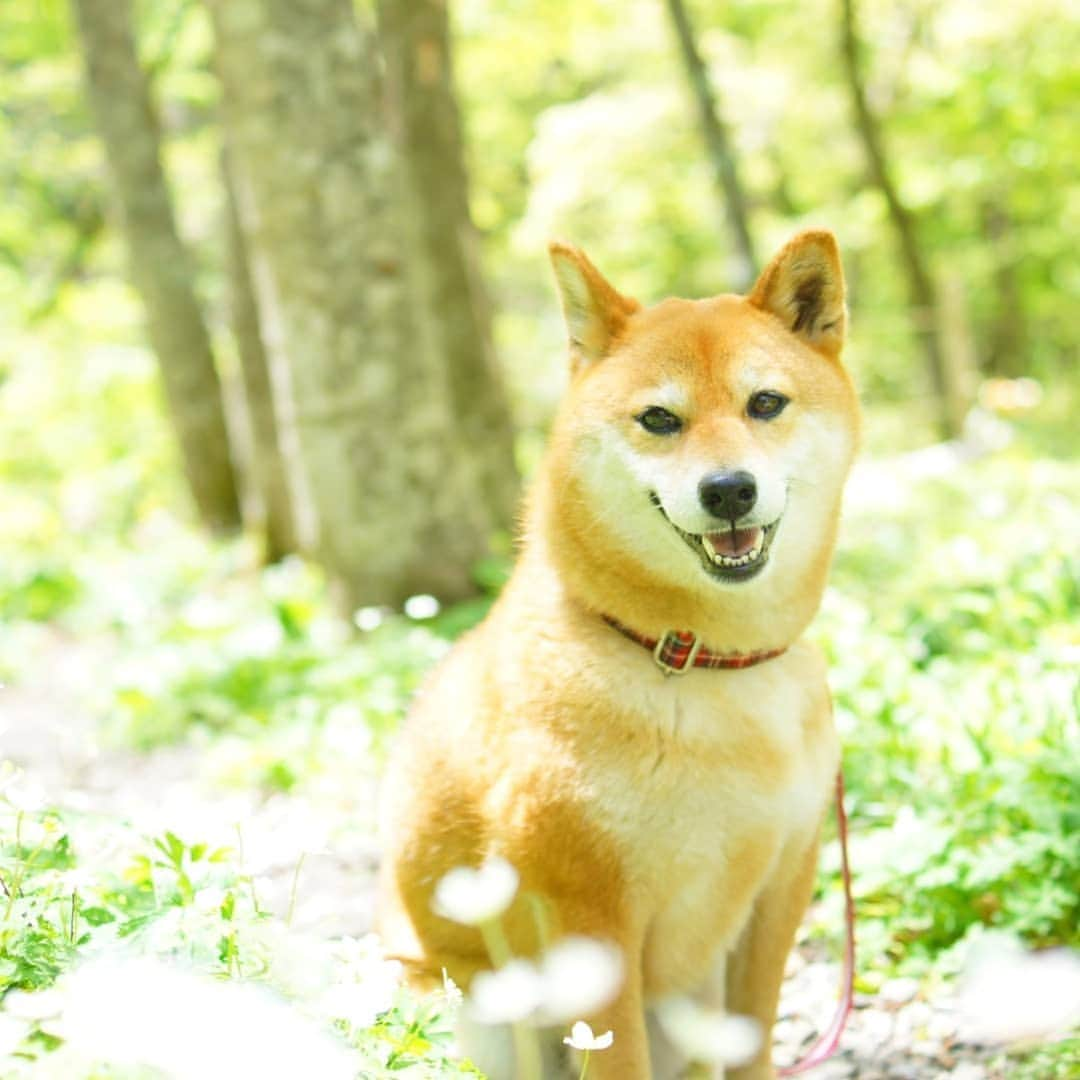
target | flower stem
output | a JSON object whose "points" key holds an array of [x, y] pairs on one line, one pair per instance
{"points": [[495, 942], [526, 1046], [527, 1052], [584, 1065], [292, 892]]}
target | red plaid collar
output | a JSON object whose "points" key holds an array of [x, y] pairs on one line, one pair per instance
{"points": [[679, 650]]}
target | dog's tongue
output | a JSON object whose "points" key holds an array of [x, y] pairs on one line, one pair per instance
{"points": [[734, 542]]}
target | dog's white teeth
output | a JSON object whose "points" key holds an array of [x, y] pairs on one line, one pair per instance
{"points": [[733, 560]]}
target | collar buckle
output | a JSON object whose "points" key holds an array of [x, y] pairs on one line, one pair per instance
{"points": [[676, 651]]}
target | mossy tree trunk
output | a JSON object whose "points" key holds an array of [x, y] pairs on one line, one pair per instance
{"points": [[386, 493], [269, 471], [425, 119], [161, 269], [1007, 344]]}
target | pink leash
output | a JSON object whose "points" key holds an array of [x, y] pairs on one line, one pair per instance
{"points": [[829, 1039]]}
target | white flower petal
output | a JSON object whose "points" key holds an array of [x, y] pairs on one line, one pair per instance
{"points": [[1010, 995], [26, 796], [505, 996], [421, 606], [581, 1037], [707, 1035], [33, 1004], [476, 896], [142, 1013], [580, 975], [12, 1033]]}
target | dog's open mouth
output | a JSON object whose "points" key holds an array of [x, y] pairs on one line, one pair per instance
{"points": [[730, 554]]}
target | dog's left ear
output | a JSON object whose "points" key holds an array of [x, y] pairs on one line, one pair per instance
{"points": [[803, 287], [595, 311]]}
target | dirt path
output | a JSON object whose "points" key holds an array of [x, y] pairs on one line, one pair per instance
{"points": [[898, 1034]]}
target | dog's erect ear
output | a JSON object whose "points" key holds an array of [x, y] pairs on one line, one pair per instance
{"points": [[595, 312], [804, 288]]}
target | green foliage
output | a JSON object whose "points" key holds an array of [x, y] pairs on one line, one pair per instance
{"points": [[39, 929], [952, 633], [39, 591], [242, 660], [182, 901], [952, 623], [1060, 1061], [591, 134], [951, 630]]}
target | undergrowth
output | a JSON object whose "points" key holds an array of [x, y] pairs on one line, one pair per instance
{"points": [[952, 627]]}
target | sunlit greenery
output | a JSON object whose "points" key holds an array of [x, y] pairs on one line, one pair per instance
{"points": [[953, 621]]}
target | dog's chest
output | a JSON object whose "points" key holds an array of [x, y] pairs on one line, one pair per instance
{"points": [[725, 773]]}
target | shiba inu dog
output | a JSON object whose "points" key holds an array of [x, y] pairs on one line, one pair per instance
{"points": [[637, 725]]}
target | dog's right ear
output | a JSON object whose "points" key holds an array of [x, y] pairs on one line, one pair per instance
{"points": [[595, 311], [803, 287]]}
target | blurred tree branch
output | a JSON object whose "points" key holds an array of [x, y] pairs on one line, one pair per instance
{"points": [[718, 146], [921, 288]]}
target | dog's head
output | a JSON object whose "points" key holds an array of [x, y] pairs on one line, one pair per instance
{"points": [[703, 444]]}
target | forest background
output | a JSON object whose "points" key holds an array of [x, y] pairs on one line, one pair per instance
{"points": [[279, 350]]}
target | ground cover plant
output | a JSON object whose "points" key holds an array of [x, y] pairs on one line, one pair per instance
{"points": [[951, 627], [192, 838]]}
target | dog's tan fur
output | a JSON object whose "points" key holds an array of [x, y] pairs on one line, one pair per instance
{"points": [[675, 815]]}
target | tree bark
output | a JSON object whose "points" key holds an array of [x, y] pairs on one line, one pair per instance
{"points": [[424, 115], [719, 148], [1007, 344], [386, 494], [920, 283], [269, 473], [160, 266]]}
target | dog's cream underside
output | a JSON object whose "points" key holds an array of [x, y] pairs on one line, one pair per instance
{"points": [[683, 826]]}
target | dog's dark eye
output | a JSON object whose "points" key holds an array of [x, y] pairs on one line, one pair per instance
{"points": [[766, 404], [659, 421]]}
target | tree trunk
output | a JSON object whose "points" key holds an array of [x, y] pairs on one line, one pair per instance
{"points": [[416, 46], [1007, 345], [961, 365], [718, 144], [268, 467], [386, 494], [920, 284], [160, 266]]}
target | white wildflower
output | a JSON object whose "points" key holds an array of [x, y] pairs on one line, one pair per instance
{"points": [[476, 896], [508, 995], [421, 606], [450, 990], [210, 899], [26, 796], [579, 975], [141, 1013], [357, 1003], [581, 1037], [708, 1035], [12, 1033], [365, 983], [368, 618], [33, 1004], [9, 774], [1009, 995]]}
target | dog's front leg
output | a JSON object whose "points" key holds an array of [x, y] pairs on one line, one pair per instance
{"points": [[628, 1056], [755, 969]]}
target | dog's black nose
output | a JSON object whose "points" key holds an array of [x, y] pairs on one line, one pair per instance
{"points": [[728, 495]]}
